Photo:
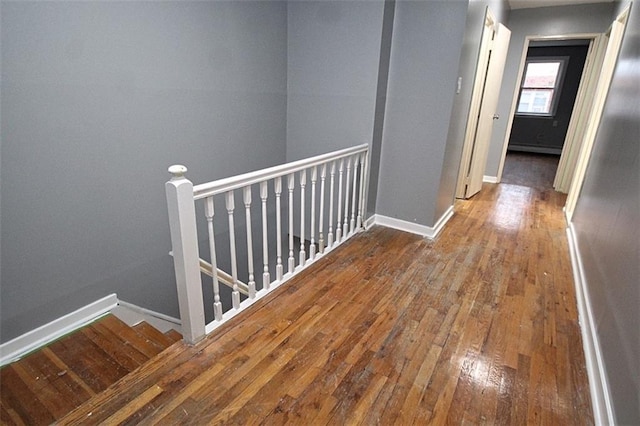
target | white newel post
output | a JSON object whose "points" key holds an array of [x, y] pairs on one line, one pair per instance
{"points": [[184, 241]]}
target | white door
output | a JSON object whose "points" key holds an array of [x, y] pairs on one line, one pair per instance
{"points": [[478, 135], [602, 89]]}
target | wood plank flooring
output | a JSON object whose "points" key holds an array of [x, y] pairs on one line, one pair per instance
{"points": [[51, 382], [477, 327]]}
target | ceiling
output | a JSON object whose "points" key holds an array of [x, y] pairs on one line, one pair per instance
{"points": [[528, 4]]}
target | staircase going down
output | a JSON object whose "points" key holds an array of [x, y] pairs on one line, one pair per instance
{"points": [[52, 381]]}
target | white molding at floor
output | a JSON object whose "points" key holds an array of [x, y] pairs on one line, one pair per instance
{"points": [[132, 314], [414, 228], [598, 385], [20, 346], [490, 179]]}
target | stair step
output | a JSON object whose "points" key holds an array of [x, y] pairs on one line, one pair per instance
{"points": [[173, 335], [51, 382], [153, 335]]}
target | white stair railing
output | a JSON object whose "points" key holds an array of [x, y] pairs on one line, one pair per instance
{"points": [[352, 182]]}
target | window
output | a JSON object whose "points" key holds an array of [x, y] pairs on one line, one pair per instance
{"points": [[540, 88]]}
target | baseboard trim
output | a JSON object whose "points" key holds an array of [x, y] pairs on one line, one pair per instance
{"points": [[414, 228], [149, 312], [490, 179], [22, 345], [370, 221], [598, 384]]}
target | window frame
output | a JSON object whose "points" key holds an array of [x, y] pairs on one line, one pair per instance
{"points": [[557, 89]]}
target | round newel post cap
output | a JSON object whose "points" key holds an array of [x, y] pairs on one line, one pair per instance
{"points": [[177, 171]]}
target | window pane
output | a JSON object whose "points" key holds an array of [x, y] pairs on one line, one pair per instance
{"points": [[535, 101], [541, 74]]}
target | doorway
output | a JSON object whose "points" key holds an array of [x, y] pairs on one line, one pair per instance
{"points": [[482, 112], [547, 95]]}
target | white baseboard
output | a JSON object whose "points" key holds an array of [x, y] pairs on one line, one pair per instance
{"points": [[20, 346], [132, 314], [414, 228], [370, 221], [490, 179], [598, 384]]}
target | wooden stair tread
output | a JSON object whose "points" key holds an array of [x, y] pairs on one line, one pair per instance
{"points": [[173, 335], [49, 383], [153, 335]]}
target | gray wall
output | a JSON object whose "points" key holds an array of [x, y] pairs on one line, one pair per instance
{"points": [[543, 21], [98, 99], [425, 52], [462, 102], [332, 74], [606, 221]]}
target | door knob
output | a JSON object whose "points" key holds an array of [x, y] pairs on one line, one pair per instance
{"points": [[496, 116]]}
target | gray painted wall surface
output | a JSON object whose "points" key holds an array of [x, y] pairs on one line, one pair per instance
{"points": [[381, 104], [543, 21], [332, 74], [425, 52], [98, 99], [462, 102], [606, 220]]}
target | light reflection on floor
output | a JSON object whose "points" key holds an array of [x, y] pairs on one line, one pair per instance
{"points": [[511, 206]]}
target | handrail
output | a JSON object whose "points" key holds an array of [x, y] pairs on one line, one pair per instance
{"points": [[223, 277], [208, 189], [340, 178]]}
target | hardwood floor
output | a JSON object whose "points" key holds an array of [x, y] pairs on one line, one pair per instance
{"points": [[49, 383], [476, 327], [530, 169]]}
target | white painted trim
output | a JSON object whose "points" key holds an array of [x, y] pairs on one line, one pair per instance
{"points": [[22, 345], [371, 220], [149, 312], [598, 384], [414, 228], [516, 88], [490, 179]]}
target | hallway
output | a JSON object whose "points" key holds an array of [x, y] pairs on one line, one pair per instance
{"points": [[478, 326]]}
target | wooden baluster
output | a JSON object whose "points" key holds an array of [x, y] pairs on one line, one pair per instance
{"points": [[339, 225], [331, 195], [184, 240], [363, 178], [235, 294], [312, 247], [247, 208], [266, 278], [277, 184], [303, 184], [352, 224], [291, 260], [217, 305], [323, 175], [345, 227]]}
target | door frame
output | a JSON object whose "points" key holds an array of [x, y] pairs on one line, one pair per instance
{"points": [[616, 33], [591, 58]]}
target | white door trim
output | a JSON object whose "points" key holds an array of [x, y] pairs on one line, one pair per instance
{"points": [[516, 89]]}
